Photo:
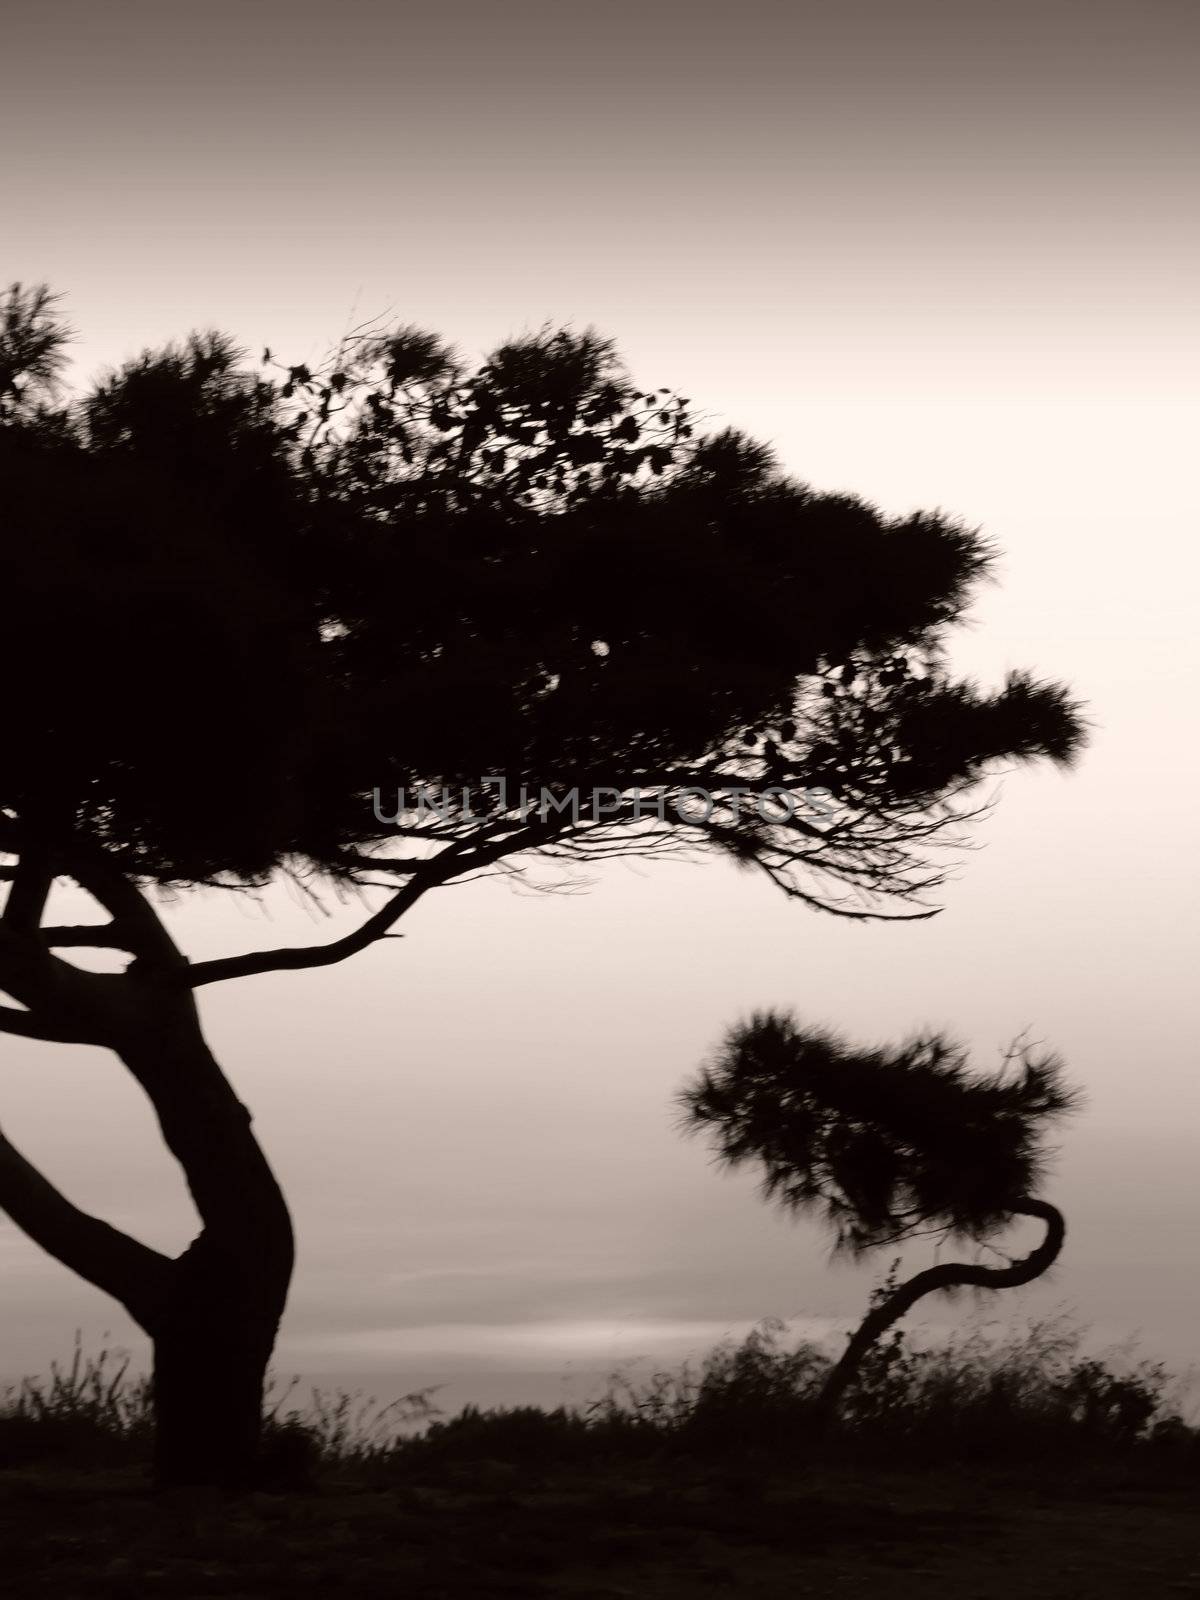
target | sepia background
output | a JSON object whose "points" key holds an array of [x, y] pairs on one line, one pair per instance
{"points": [[940, 255]]}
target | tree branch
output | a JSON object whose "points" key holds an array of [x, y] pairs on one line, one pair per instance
{"points": [[31, 883], [47, 985], [452, 863], [131, 1272], [294, 958], [135, 921], [26, 1025], [944, 1276]]}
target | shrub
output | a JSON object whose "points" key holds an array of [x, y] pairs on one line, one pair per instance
{"points": [[1024, 1396], [91, 1411]]}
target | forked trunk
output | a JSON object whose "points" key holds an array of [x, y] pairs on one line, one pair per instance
{"points": [[948, 1275], [213, 1313]]}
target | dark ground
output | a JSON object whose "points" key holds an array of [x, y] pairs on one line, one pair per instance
{"points": [[645, 1531]]}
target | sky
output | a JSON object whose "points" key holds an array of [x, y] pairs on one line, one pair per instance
{"points": [[939, 254]]}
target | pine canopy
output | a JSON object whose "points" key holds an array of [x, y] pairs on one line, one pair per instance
{"points": [[244, 601], [884, 1142]]}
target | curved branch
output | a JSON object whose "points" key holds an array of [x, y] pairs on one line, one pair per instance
{"points": [[835, 908], [131, 1272], [293, 958], [946, 1275], [453, 862]]}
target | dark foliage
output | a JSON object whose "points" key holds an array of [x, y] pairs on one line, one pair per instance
{"points": [[239, 603], [980, 1396], [883, 1142]]}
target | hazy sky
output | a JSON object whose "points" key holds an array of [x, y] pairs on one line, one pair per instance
{"points": [[938, 253]]}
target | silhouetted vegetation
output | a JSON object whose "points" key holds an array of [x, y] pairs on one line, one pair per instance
{"points": [[244, 604], [886, 1145], [985, 1463], [977, 1396]]}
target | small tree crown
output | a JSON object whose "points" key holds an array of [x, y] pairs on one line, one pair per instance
{"points": [[883, 1142]]}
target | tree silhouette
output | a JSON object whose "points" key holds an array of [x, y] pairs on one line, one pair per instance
{"points": [[886, 1145], [33, 341], [258, 616]]}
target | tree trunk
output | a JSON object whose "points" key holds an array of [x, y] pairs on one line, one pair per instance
{"points": [[947, 1275], [211, 1351], [216, 1329], [213, 1313]]}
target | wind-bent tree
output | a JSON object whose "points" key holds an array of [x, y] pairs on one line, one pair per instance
{"points": [[251, 614], [887, 1145]]}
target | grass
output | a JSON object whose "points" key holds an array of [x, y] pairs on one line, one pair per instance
{"points": [[984, 1467]]}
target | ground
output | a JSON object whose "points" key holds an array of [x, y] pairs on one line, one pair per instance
{"points": [[603, 1534]]}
